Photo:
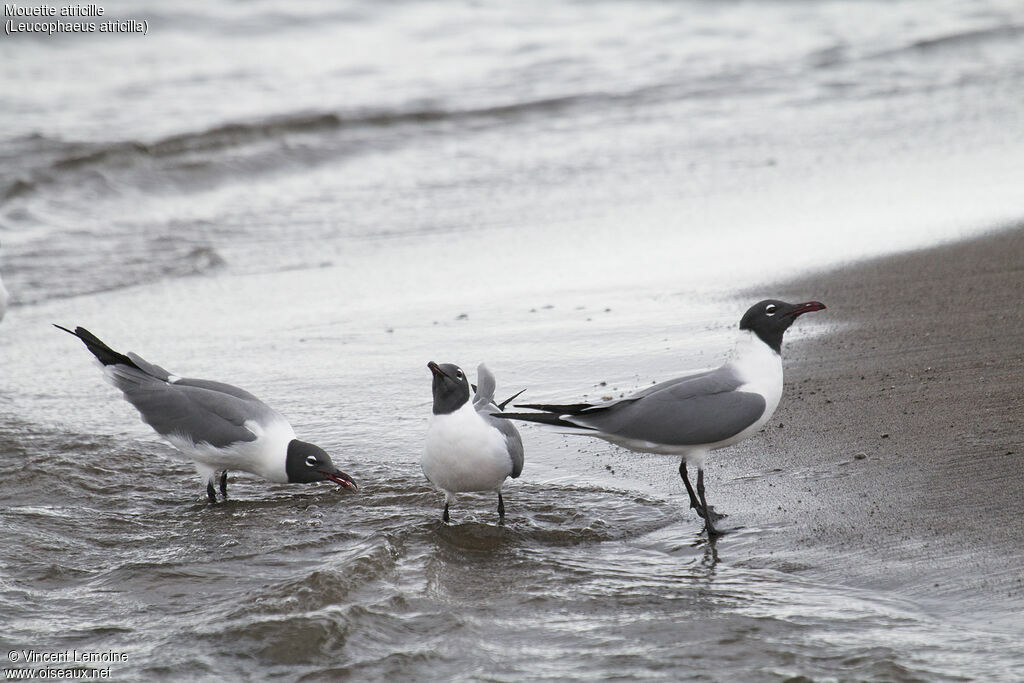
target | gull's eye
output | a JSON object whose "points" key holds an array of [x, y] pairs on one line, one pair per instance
{"points": [[311, 461], [770, 309], [458, 374]]}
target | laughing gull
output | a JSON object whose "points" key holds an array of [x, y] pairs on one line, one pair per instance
{"points": [[467, 448], [218, 426], [697, 413]]}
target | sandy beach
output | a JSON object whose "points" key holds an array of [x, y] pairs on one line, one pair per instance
{"points": [[897, 445]]}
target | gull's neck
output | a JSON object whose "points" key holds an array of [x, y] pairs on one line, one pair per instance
{"points": [[753, 358]]}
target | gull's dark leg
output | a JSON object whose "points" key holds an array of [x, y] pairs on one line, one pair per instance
{"points": [[708, 522], [211, 492], [224, 484], [694, 503], [501, 508], [445, 516]]}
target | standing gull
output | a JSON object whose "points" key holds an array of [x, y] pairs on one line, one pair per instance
{"points": [[701, 412], [467, 448], [218, 426]]}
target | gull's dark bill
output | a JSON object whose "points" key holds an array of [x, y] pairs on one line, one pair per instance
{"points": [[342, 480]]}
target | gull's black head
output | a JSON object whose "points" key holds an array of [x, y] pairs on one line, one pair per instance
{"points": [[769, 319], [451, 387], [306, 463]]}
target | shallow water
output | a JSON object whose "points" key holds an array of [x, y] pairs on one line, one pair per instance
{"points": [[571, 194], [583, 580]]}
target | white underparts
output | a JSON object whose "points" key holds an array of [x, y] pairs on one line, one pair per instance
{"points": [[265, 456], [465, 453]]}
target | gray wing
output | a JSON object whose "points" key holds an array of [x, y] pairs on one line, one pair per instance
{"points": [[699, 409], [512, 440], [484, 404], [219, 387], [149, 368], [159, 373], [485, 386], [672, 382], [199, 413]]}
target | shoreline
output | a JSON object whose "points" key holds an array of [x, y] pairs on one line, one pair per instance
{"points": [[896, 448]]}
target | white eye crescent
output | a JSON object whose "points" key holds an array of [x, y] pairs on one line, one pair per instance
{"points": [[311, 461], [458, 374], [770, 309]]}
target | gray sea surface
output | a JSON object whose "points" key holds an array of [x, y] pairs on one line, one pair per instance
{"points": [[312, 199]]}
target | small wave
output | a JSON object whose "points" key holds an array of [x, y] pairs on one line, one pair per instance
{"points": [[19, 187], [150, 259], [52, 160], [827, 57], [198, 261], [77, 155], [326, 585], [839, 54], [291, 640], [950, 41], [981, 35], [227, 135]]}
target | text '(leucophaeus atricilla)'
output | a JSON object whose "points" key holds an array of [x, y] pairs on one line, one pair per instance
{"points": [[697, 413], [218, 426], [467, 448]]}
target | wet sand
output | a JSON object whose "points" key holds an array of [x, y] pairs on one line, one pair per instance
{"points": [[896, 453]]}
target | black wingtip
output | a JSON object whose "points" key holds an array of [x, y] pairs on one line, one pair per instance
{"points": [[569, 409], [540, 418], [501, 406], [104, 354]]}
